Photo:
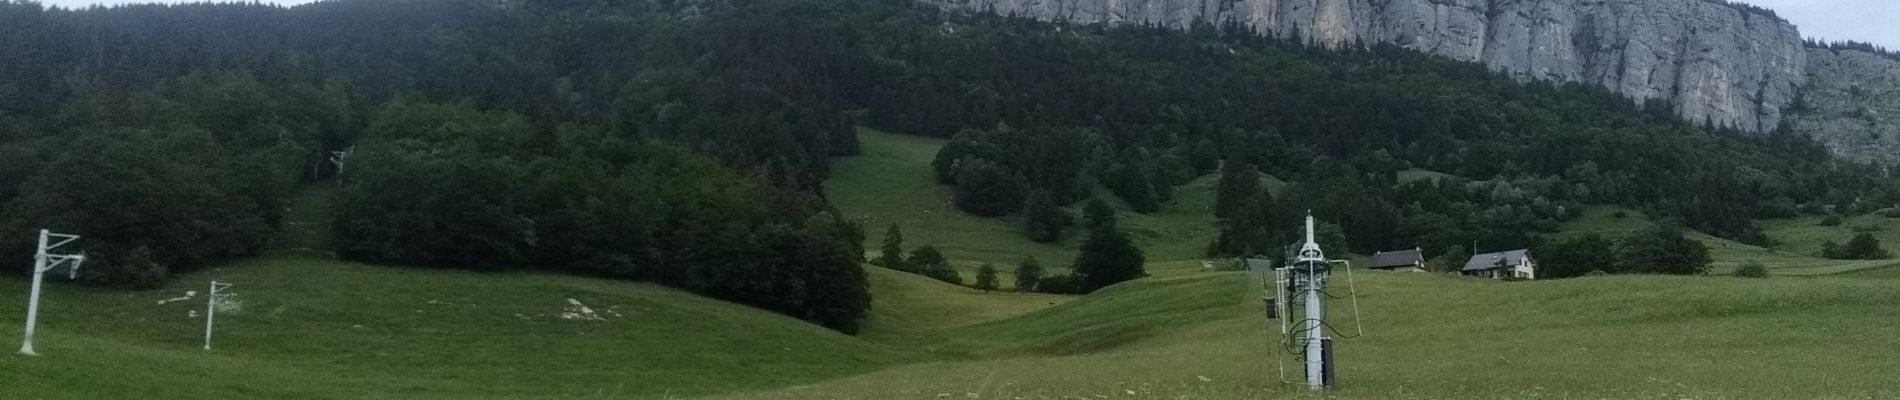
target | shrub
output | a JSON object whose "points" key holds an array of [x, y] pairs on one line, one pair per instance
{"points": [[942, 272], [1662, 249], [1831, 220], [1861, 247], [1752, 269], [1057, 284]]}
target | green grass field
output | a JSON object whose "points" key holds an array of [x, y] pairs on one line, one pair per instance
{"points": [[311, 327], [1795, 254], [891, 182]]}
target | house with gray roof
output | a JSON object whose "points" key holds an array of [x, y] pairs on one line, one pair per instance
{"points": [[1510, 265], [1404, 261]]}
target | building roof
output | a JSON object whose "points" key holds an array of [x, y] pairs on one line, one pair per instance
{"points": [[1396, 259], [1490, 260]]}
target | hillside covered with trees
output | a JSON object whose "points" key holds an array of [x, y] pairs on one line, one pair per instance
{"points": [[684, 143]]}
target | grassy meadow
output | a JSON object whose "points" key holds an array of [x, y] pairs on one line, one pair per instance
{"points": [[312, 327]]}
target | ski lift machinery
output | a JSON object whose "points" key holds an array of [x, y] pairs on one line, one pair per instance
{"points": [[1295, 298]]}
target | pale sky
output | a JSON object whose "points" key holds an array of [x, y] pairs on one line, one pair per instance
{"points": [[1873, 21]]}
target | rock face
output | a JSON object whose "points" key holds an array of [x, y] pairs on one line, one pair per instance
{"points": [[1713, 62], [1852, 104]]}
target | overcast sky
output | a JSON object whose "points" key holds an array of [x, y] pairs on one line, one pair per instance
{"points": [[1875, 21]]}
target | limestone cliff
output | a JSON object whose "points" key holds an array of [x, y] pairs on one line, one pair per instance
{"points": [[1852, 104], [1713, 62]]}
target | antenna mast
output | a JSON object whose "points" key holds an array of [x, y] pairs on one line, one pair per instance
{"points": [[1309, 269]]}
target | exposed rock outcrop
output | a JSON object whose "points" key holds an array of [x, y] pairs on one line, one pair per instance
{"points": [[1713, 62], [1852, 104]]}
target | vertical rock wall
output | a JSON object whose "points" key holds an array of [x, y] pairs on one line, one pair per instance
{"points": [[1852, 105], [1713, 62]]}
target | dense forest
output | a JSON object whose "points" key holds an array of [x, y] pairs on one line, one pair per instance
{"points": [[684, 143]]}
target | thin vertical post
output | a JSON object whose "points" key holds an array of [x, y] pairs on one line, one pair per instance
{"points": [[33, 299], [211, 311]]}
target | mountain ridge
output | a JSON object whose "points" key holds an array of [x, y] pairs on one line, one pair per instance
{"points": [[1723, 64]]}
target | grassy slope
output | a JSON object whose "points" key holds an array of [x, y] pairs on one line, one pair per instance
{"points": [[1431, 336], [1800, 240], [891, 182], [315, 328]]}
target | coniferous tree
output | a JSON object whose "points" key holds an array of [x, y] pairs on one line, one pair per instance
{"points": [[1043, 220], [893, 251], [1098, 214], [1239, 183], [986, 278], [1250, 231], [1132, 186], [1107, 257], [1028, 274]]}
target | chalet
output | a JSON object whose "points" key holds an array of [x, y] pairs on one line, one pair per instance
{"points": [[1403, 261], [1514, 264]]}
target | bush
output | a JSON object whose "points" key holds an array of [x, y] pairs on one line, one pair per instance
{"points": [[1752, 269], [942, 272], [1662, 249], [1892, 212], [1057, 284], [1861, 247], [1831, 220]]}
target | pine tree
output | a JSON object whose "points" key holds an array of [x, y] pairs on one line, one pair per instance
{"points": [[1239, 182], [1043, 220], [1028, 274], [1132, 186], [1250, 231], [986, 278], [893, 249], [1098, 214], [1107, 257]]}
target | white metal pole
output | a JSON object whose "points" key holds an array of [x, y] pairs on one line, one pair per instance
{"points": [[33, 299], [211, 311], [1311, 257], [1315, 363]]}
